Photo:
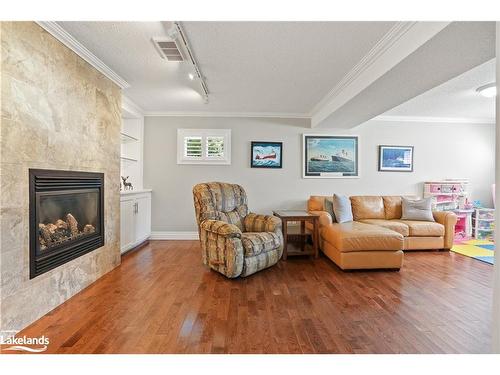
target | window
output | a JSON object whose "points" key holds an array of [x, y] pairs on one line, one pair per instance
{"points": [[203, 146], [215, 147], [192, 147]]}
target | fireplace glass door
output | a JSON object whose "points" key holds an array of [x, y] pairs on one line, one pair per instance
{"points": [[66, 216]]}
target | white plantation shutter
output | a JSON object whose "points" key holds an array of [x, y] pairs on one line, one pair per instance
{"points": [[215, 147], [193, 147], [203, 146]]}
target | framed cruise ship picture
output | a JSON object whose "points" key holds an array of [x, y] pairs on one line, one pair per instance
{"points": [[266, 155], [395, 158], [330, 156]]}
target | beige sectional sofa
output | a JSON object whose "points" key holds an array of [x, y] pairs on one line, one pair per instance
{"points": [[377, 236]]}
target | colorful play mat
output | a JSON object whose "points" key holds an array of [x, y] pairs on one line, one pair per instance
{"points": [[477, 249]]}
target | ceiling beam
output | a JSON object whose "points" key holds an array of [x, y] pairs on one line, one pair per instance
{"points": [[401, 40], [457, 48]]}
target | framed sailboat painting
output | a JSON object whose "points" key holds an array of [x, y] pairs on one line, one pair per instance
{"points": [[330, 156], [266, 154]]}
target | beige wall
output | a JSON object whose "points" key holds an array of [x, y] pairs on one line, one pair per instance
{"points": [[441, 151], [57, 113]]}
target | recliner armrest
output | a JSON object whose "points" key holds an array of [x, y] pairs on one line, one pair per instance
{"points": [[221, 228], [261, 223]]}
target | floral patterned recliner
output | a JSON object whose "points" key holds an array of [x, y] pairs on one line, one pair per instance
{"points": [[234, 242]]}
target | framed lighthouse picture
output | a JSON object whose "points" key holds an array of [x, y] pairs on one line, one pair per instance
{"points": [[266, 154]]}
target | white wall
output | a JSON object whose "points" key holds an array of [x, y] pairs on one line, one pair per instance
{"points": [[496, 286], [441, 151]]}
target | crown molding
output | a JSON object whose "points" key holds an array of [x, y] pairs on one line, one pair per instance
{"points": [[130, 108], [69, 41], [400, 41], [435, 119], [226, 114]]}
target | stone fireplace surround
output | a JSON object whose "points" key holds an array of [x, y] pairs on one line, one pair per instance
{"points": [[57, 112]]}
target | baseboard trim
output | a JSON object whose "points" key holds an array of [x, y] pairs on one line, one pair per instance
{"points": [[137, 247], [162, 235]]}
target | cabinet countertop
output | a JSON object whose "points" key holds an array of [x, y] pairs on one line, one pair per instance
{"points": [[140, 191]]}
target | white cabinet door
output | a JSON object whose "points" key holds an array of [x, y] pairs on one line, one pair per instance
{"points": [[127, 224], [143, 218]]}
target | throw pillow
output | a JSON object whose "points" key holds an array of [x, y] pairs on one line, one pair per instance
{"points": [[329, 208], [342, 208], [420, 209]]}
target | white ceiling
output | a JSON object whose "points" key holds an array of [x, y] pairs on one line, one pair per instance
{"points": [[456, 98], [250, 67]]}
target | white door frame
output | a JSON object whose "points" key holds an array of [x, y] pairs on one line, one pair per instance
{"points": [[496, 284]]}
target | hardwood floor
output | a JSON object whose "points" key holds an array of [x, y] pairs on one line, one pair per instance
{"points": [[163, 300]]}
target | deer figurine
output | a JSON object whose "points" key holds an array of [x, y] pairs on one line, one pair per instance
{"points": [[127, 185]]}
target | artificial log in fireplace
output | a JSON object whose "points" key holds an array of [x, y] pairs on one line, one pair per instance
{"points": [[66, 217]]}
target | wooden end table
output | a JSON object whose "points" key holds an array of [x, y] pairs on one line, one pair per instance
{"points": [[301, 216]]}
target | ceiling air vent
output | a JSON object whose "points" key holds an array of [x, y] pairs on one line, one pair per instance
{"points": [[168, 49], [174, 47]]}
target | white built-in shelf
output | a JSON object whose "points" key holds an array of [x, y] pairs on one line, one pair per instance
{"points": [[125, 138], [126, 158]]}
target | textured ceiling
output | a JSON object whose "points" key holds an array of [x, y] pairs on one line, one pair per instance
{"points": [[250, 67], [456, 98]]}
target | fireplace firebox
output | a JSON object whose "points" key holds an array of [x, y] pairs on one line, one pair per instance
{"points": [[66, 217]]}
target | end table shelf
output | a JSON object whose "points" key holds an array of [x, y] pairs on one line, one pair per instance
{"points": [[289, 247]]}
